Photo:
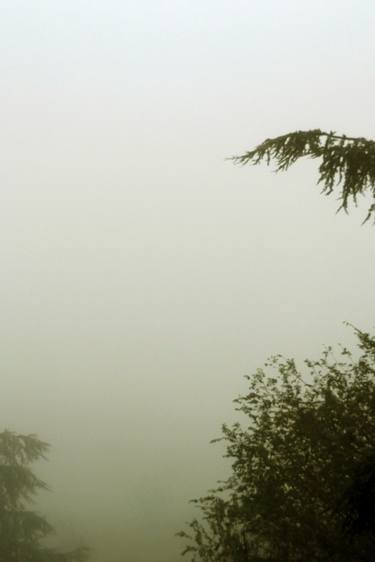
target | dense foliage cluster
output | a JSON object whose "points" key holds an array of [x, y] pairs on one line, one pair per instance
{"points": [[346, 161], [22, 531], [303, 467]]}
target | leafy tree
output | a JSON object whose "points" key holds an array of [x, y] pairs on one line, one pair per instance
{"points": [[22, 531], [293, 490], [348, 162]]}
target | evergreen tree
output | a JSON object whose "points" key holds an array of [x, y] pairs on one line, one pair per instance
{"points": [[21, 530], [346, 162]]}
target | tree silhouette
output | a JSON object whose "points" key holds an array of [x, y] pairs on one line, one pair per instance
{"points": [[21, 530], [297, 466]]}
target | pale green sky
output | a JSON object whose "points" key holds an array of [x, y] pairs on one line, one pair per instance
{"points": [[143, 274]]}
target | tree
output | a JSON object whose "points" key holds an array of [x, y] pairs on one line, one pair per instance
{"points": [[297, 465], [348, 162], [22, 531]]}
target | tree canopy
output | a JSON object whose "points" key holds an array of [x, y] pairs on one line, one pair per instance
{"points": [[299, 479], [21, 530], [346, 162]]}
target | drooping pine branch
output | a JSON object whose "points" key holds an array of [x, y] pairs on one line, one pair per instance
{"points": [[346, 162]]}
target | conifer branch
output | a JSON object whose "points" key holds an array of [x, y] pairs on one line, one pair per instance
{"points": [[348, 162]]}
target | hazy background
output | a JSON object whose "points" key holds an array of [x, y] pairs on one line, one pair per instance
{"points": [[142, 274]]}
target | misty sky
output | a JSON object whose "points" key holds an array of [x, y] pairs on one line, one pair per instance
{"points": [[143, 274]]}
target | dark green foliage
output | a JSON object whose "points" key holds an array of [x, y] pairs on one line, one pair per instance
{"points": [[289, 496], [358, 502], [22, 531], [346, 161]]}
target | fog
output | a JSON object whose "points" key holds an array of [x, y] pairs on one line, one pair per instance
{"points": [[142, 273]]}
